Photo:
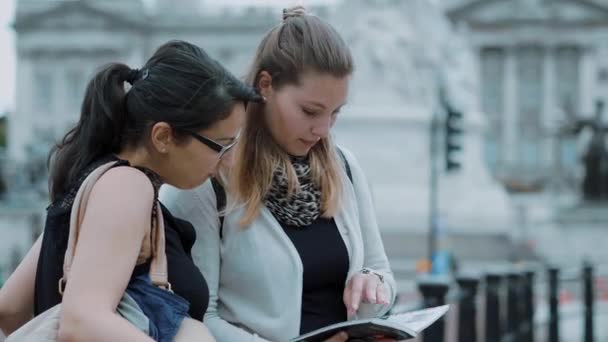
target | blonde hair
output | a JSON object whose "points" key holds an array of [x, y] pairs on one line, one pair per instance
{"points": [[301, 43]]}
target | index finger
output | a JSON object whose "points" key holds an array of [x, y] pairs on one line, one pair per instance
{"points": [[356, 288]]}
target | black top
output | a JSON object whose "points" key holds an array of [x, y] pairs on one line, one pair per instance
{"points": [[325, 260], [185, 278]]}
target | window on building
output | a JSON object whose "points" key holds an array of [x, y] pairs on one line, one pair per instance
{"points": [[226, 54], [492, 74], [567, 60], [567, 74], [75, 85], [43, 91], [529, 99]]}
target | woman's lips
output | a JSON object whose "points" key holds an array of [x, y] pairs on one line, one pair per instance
{"points": [[309, 142]]}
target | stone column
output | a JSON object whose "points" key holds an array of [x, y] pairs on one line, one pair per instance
{"points": [[63, 96], [20, 120], [509, 120], [550, 109], [587, 81]]}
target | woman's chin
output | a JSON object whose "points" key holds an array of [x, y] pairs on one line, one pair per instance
{"points": [[190, 185], [301, 149]]}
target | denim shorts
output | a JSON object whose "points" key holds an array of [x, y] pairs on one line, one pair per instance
{"points": [[164, 309]]}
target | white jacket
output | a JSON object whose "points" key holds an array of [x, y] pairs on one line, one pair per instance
{"points": [[255, 273]]}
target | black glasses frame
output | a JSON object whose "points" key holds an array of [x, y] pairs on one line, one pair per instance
{"points": [[215, 146]]}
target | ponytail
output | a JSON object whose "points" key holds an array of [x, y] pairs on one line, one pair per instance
{"points": [[97, 133]]}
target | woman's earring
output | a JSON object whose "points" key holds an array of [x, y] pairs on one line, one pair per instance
{"points": [[263, 99]]}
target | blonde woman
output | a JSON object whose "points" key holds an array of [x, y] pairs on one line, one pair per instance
{"points": [[298, 247]]}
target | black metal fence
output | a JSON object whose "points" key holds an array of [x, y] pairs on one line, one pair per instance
{"points": [[504, 303]]}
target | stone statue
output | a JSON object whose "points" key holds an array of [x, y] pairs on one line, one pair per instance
{"points": [[595, 157], [403, 50], [395, 58]]}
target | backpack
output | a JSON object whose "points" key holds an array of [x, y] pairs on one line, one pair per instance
{"points": [[220, 192]]}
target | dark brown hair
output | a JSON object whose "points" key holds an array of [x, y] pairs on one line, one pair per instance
{"points": [[180, 85]]}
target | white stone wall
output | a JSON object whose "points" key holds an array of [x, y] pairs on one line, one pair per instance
{"points": [[80, 43]]}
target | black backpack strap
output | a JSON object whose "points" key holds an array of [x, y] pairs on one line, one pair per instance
{"points": [[346, 166], [220, 198]]}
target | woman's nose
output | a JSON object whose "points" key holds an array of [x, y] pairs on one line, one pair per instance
{"points": [[322, 127]]}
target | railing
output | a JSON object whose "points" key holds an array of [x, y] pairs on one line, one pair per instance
{"points": [[500, 306]]}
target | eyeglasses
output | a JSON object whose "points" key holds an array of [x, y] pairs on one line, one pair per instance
{"points": [[215, 146]]}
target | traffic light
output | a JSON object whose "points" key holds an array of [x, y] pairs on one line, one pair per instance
{"points": [[453, 144]]}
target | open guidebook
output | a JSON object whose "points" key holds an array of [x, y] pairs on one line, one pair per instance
{"points": [[401, 326]]}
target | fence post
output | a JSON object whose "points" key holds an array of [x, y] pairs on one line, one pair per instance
{"points": [[528, 289], [513, 303], [467, 308], [553, 305], [493, 329], [434, 290], [588, 297]]}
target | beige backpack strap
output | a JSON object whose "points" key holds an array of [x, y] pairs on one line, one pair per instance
{"points": [[158, 267]]}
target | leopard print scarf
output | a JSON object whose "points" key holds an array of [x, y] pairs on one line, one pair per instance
{"points": [[304, 206]]}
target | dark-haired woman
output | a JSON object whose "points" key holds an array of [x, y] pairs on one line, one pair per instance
{"points": [[175, 123]]}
